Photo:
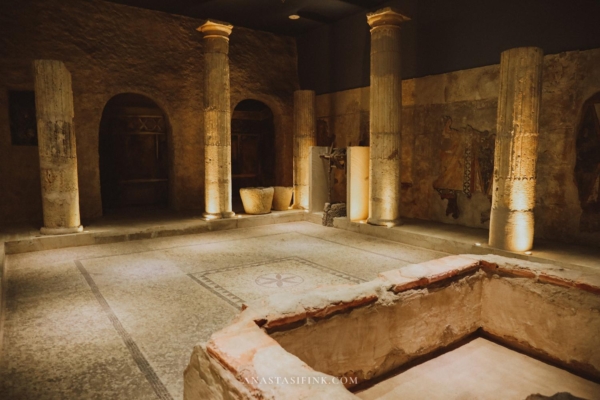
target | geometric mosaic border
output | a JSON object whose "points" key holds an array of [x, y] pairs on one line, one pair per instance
{"points": [[203, 277]]}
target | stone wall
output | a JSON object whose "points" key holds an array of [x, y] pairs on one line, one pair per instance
{"points": [[408, 326], [445, 115], [111, 49]]}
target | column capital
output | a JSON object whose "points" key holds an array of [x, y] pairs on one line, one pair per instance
{"points": [[215, 29], [386, 16]]}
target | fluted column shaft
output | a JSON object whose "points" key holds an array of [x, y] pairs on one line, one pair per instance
{"points": [[217, 120], [305, 136], [385, 118], [57, 147], [515, 158]]}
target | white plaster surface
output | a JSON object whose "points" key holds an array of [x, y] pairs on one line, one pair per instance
{"points": [[357, 198], [481, 370]]}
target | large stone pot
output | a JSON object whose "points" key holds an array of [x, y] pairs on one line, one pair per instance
{"points": [[257, 200], [282, 197]]}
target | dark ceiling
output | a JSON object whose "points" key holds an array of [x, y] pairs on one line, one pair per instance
{"points": [[264, 15]]}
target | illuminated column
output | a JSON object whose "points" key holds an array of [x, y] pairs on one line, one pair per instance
{"points": [[217, 120], [511, 225], [386, 114], [305, 136], [56, 146]]}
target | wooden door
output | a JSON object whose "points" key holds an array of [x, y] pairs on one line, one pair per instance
{"points": [[134, 160]]}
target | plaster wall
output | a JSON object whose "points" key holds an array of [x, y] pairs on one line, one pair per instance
{"points": [[111, 49], [469, 98], [551, 320], [379, 339]]}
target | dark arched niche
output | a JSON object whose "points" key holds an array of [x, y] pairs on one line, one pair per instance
{"points": [[134, 165], [587, 167]]}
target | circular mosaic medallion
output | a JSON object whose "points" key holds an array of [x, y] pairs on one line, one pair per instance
{"points": [[278, 280]]}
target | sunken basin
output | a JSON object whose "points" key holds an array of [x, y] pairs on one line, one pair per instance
{"points": [[332, 341]]}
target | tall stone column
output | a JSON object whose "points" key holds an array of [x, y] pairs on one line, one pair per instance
{"points": [[217, 120], [386, 114], [56, 146], [515, 158], [305, 136]]}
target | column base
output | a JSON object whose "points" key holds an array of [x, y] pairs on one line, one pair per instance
{"points": [[384, 222], [225, 214], [511, 230], [60, 231], [212, 215], [298, 207]]}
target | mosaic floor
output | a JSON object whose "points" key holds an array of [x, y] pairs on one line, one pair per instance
{"points": [[119, 321]]}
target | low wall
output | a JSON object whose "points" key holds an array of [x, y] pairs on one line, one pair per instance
{"points": [[349, 334], [553, 314], [381, 338]]}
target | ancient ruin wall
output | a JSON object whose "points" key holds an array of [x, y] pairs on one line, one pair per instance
{"points": [[449, 120], [397, 330], [548, 320], [111, 49]]}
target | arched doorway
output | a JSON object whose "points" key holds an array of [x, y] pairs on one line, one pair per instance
{"points": [[587, 167], [134, 166], [252, 147]]}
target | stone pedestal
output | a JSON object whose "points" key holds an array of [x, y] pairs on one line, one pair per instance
{"points": [[56, 145], [305, 136], [385, 121], [318, 178], [512, 224], [357, 178], [217, 120]]}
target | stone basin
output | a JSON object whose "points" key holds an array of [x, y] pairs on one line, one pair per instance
{"points": [[282, 197], [257, 200], [287, 346]]}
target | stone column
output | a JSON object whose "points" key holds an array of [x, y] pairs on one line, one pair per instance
{"points": [[217, 120], [305, 136], [56, 146], [515, 158], [386, 114]]}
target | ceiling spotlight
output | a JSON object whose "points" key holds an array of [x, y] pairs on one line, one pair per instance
{"points": [[294, 16]]}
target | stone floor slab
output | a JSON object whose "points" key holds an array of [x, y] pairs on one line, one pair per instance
{"points": [[481, 370]]}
